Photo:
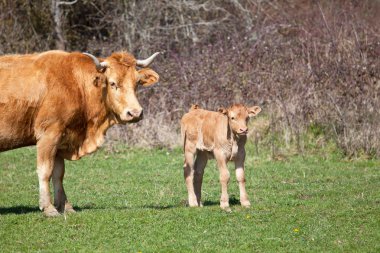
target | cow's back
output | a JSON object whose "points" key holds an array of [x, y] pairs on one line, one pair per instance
{"points": [[27, 85]]}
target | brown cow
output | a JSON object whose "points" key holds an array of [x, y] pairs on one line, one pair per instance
{"points": [[222, 134], [64, 103]]}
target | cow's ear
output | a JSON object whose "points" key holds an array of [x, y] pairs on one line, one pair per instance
{"points": [[222, 110], [253, 111], [147, 77]]}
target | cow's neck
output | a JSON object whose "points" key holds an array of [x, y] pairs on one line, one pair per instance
{"points": [[98, 120]]}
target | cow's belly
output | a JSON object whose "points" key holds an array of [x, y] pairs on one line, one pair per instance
{"points": [[7, 143], [16, 126]]}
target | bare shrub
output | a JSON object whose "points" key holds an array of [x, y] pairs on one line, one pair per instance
{"points": [[306, 63]]}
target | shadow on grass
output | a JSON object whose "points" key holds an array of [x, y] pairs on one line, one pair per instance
{"points": [[36, 209], [160, 207], [33, 209], [19, 210], [233, 202]]}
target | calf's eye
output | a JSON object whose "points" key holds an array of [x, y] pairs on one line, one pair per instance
{"points": [[113, 85]]}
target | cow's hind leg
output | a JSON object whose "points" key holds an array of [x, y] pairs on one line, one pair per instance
{"points": [[188, 172], [199, 167], [46, 151], [60, 199]]}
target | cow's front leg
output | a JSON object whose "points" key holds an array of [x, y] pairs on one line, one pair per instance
{"points": [[240, 177], [60, 199], [224, 177], [46, 151]]}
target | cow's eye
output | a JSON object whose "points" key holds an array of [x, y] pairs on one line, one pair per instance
{"points": [[232, 118]]}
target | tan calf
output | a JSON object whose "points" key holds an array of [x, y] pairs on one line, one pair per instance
{"points": [[221, 135]]}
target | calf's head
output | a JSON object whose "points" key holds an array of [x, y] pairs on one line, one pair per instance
{"points": [[238, 116], [121, 81]]}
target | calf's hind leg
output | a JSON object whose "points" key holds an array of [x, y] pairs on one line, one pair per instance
{"points": [[60, 199], [188, 172], [199, 167]]}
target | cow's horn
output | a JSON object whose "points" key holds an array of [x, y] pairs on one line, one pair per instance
{"points": [[147, 61], [99, 65]]}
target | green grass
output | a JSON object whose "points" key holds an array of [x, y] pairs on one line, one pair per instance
{"points": [[134, 201]]}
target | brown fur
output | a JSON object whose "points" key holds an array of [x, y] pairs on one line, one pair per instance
{"points": [[208, 134], [61, 103]]}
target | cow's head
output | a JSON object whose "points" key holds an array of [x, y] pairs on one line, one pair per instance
{"points": [[238, 116], [121, 81]]}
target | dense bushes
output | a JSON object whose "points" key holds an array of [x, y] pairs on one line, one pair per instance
{"points": [[309, 64]]}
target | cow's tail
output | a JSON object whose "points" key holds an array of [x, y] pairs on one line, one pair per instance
{"points": [[183, 137]]}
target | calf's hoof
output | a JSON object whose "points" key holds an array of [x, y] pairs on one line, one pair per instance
{"points": [[50, 211], [227, 209], [246, 204], [193, 203], [69, 208]]}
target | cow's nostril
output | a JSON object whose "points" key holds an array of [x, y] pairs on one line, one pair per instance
{"points": [[141, 114], [135, 113], [129, 114]]}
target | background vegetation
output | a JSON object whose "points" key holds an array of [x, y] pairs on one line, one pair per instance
{"points": [[314, 68], [312, 65]]}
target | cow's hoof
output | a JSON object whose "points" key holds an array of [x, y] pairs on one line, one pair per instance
{"points": [[50, 211], [69, 208], [60, 208]]}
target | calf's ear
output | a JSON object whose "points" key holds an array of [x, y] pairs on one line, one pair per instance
{"points": [[147, 77], [194, 107], [253, 111], [222, 110]]}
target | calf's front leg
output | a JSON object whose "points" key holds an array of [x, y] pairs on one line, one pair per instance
{"points": [[224, 177], [239, 169]]}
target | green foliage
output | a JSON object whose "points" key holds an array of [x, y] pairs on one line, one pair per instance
{"points": [[317, 129], [133, 200]]}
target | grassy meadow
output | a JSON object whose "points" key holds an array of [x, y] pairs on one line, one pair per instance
{"points": [[134, 200]]}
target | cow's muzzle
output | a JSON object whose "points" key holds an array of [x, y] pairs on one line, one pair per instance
{"points": [[134, 115]]}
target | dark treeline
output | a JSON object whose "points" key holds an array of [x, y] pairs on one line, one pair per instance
{"points": [[313, 66]]}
